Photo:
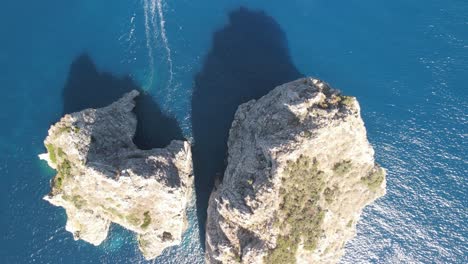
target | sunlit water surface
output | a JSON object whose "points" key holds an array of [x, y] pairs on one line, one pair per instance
{"points": [[405, 61]]}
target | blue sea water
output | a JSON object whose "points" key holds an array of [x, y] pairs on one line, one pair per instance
{"points": [[405, 60]]}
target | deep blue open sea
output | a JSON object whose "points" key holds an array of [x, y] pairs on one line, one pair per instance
{"points": [[405, 60]]}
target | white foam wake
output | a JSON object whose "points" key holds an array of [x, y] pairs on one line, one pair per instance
{"points": [[165, 40], [149, 47], [154, 16]]}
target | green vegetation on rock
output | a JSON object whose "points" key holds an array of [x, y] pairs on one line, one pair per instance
{"points": [[323, 104], [146, 220], [112, 211], [375, 178], [347, 100], [143, 243], [60, 153], [64, 167], [330, 194], [299, 216], [64, 129], [63, 172], [57, 182], [133, 219], [307, 134], [51, 150], [342, 168], [78, 201], [237, 258]]}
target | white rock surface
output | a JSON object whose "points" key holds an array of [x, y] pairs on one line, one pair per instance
{"points": [[300, 171], [103, 177]]}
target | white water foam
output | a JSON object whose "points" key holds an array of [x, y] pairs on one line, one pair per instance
{"points": [[165, 40], [128, 40], [154, 16], [148, 40], [132, 28]]}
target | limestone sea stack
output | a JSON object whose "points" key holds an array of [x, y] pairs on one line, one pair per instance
{"points": [[102, 177], [300, 171]]}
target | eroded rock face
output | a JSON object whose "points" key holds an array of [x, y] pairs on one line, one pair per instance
{"points": [[300, 171], [102, 177]]}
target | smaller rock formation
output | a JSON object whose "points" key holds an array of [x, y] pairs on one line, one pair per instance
{"points": [[102, 177], [300, 171]]}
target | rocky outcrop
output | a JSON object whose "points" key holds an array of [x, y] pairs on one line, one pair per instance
{"points": [[102, 177], [300, 171]]}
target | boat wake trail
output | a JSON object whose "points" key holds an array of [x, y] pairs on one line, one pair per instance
{"points": [[165, 40], [149, 46], [154, 17]]}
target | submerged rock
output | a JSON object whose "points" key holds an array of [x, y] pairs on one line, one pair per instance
{"points": [[102, 177], [300, 171]]}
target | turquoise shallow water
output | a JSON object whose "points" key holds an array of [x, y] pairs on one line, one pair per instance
{"points": [[406, 61]]}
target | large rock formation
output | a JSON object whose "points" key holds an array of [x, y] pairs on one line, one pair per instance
{"points": [[300, 171], [102, 177]]}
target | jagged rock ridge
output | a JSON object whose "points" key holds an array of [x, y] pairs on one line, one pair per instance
{"points": [[300, 171], [102, 177]]}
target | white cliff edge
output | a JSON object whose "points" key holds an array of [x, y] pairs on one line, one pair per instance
{"points": [[102, 177], [300, 171]]}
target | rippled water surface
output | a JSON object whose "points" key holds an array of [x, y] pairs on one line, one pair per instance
{"points": [[405, 61]]}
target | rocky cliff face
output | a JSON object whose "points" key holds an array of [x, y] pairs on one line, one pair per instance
{"points": [[300, 171], [102, 177]]}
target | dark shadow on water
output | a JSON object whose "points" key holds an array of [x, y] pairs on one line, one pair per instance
{"points": [[248, 58], [86, 87]]}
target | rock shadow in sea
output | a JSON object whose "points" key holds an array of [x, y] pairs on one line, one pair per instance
{"points": [[86, 87], [248, 58]]}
